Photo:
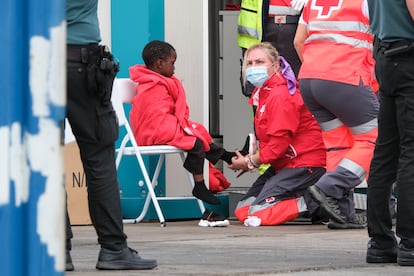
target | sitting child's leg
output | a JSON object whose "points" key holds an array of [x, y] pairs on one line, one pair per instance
{"points": [[194, 163], [216, 153], [201, 192]]}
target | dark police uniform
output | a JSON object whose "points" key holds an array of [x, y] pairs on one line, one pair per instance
{"points": [[393, 158], [93, 121]]}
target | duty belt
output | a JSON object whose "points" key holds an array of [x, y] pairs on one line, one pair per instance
{"points": [[82, 53], [396, 47]]}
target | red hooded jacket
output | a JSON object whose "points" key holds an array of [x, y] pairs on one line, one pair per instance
{"points": [[160, 113]]}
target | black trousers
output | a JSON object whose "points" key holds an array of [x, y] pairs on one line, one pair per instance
{"points": [[281, 36], [394, 152], [96, 130], [194, 162]]}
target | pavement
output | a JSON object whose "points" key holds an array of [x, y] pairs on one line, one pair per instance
{"points": [[184, 248]]}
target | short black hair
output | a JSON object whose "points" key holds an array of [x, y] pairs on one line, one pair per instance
{"points": [[156, 50]]}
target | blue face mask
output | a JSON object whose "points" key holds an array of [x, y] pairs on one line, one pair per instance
{"points": [[257, 75]]}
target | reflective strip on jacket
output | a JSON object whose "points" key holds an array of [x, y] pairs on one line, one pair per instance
{"points": [[281, 7], [250, 28], [339, 43]]}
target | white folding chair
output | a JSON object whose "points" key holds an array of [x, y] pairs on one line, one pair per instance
{"points": [[123, 92]]}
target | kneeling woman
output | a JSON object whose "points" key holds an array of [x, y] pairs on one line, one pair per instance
{"points": [[290, 140]]}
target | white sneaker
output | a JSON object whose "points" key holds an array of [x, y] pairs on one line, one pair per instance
{"points": [[213, 219], [220, 223]]}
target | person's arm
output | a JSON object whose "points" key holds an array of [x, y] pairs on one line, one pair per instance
{"points": [[299, 40], [410, 6]]}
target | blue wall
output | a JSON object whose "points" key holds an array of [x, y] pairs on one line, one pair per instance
{"points": [[31, 180], [134, 24]]}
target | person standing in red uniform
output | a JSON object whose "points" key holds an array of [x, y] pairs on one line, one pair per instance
{"points": [[334, 42], [290, 140]]}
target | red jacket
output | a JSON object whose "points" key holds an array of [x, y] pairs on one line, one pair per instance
{"points": [[160, 114], [289, 136], [281, 7]]}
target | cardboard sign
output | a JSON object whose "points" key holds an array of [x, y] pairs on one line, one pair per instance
{"points": [[75, 179]]}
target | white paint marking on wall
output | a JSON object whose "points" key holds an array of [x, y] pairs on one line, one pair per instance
{"points": [[57, 72], [38, 75], [4, 165], [46, 156], [19, 168], [45, 153]]}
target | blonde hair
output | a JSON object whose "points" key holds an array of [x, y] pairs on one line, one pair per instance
{"points": [[269, 50]]}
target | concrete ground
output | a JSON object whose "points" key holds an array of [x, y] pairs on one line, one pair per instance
{"points": [[184, 248]]}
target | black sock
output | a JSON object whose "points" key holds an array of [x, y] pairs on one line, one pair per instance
{"points": [[201, 192], [227, 156]]}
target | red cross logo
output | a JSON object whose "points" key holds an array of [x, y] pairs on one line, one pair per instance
{"points": [[326, 7]]}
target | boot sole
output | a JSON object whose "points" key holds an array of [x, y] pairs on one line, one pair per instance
{"points": [[380, 260], [321, 199], [406, 260], [122, 265], [345, 226]]}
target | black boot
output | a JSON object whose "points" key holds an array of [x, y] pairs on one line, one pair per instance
{"points": [[201, 192], [69, 265]]}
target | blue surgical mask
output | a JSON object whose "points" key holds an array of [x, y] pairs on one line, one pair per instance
{"points": [[257, 75]]}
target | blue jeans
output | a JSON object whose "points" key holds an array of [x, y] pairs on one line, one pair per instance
{"points": [[394, 151]]}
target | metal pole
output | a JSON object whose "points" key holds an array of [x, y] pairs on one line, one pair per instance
{"points": [[32, 107]]}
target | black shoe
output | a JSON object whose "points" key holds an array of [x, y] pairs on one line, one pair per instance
{"points": [[405, 256], [201, 192], [319, 217], [358, 222], [329, 204], [376, 255], [125, 259], [69, 265]]}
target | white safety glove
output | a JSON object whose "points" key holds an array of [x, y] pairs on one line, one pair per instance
{"points": [[298, 4]]}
